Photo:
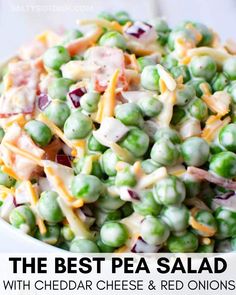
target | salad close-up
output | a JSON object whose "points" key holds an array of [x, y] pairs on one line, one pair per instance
{"points": [[120, 136]]}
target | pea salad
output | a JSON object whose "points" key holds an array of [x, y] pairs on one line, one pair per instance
{"points": [[120, 136]]}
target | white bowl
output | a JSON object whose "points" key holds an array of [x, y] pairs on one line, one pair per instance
{"points": [[13, 240]]}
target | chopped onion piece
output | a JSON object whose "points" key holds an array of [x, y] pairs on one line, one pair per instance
{"points": [[75, 96], [111, 130]]}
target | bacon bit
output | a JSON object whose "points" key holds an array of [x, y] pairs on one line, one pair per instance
{"points": [[52, 149], [79, 45], [213, 126], [208, 176]]}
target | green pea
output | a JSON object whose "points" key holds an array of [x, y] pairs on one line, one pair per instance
{"points": [[178, 116], [77, 126], [86, 187], [196, 83], [227, 137], [206, 248], [39, 132], [106, 15], [203, 67], [184, 95], [150, 106], [160, 25], [219, 82], [144, 61], [162, 38], [6, 180], [127, 209], [232, 91], [169, 62], [89, 101], [122, 17], [165, 152], [55, 57], [181, 70], [125, 177], [149, 166], [192, 185], [223, 164], [154, 231], [2, 133], [168, 133], [195, 151], [176, 217], [97, 169], [205, 218], [215, 147], [72, 35], [147, 205], [113, 39], [150, 78], [108, 162], [59, 88], [129, 114], [102, 217], [233, 244], [95, 146], [83, 246], [23, 218], [185, 243], [136, 141], [226, 222], [52, 235], [104, 248], [169, 191], [114, 234], [229, 68], [49, 208], [67, 233], [198, 109], [57, 112], [183, 33], [109, 203]]}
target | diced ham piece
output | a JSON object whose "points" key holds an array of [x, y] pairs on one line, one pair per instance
{"points": [[22, 166], [20, 86], [107, 60], [205, 175]]}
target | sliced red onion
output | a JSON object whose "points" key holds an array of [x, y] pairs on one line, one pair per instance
{"points": [[225, 196], [63, 160], [89, 221], [229, 203], [138, 29], [134, 195], [142, 247], [75, 96], [129, 195], [202, 174], [141, 33], [43, 101]]}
